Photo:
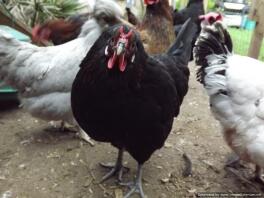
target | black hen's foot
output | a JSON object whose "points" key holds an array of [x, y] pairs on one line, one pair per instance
{"points": [[116, 169], [136, 186]]}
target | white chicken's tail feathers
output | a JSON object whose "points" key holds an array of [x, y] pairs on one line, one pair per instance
{"points": [[7, 38], [13, 55], [213, 39], [8, 50]]}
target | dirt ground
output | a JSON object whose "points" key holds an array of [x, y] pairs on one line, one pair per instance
{"points": [[38, 161]]}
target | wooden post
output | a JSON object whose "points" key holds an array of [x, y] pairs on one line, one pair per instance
{"points": [[257, 14], [205, 5], [255, 44]]}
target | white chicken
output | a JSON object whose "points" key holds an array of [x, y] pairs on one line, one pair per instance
{"points": [[235, 85], [43, 76]]}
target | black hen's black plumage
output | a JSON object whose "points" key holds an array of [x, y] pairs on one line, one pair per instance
{"points": [[133, 109], [193, 10]]}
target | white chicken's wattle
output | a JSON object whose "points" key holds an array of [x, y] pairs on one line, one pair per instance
{"points": [[43, 76]]}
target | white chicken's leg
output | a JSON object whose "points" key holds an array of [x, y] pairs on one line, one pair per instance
{"points": [[81, 133], [233, 161], [258, 175], [58, 125], [62, 126], [117, 168], [136, 186]]}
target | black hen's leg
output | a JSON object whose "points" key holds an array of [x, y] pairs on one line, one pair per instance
{"points": [[136, 186], [117, 168]]}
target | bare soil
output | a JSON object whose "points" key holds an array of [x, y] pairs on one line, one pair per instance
{"points": [[39, 161]]}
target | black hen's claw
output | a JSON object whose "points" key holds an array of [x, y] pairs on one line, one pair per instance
{"points": [[115, 169], [137, 188]]}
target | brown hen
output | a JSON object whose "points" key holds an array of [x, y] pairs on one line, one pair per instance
{"points": [[156, 28]]}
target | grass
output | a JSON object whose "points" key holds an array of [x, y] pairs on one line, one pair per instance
{"points": [[241, 41]]}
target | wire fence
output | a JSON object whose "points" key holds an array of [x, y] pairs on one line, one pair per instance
{"points": [[241, 40]]}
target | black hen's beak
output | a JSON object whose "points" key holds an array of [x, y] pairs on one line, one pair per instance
{"points": [[120, 50], [118, 56]]}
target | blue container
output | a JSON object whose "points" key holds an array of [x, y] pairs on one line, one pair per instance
{"points": [[247, 23], [250, 25], [244, 21], [18, 35], [7, 93]]}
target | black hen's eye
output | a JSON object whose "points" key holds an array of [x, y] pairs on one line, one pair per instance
{"points": [[133, 47], [112, 41]]}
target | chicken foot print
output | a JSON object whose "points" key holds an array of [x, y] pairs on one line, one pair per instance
{"points": [[136, 186], [117, 168], [188, 165]]}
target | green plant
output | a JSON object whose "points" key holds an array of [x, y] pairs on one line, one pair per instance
{"points": [[211, 5], [32, 12]]}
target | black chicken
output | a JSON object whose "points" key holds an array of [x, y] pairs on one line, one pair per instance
{"points": [[123, 96], [193, 10]]}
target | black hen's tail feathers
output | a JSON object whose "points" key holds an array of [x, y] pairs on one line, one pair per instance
{"points": [[214, 39], [182, 47]]}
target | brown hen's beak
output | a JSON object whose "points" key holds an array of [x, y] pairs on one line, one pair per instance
{"points": [[36, 38]]}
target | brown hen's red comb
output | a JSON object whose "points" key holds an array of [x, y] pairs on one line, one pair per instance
{"points": [[35, 32], [150, 2]]}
